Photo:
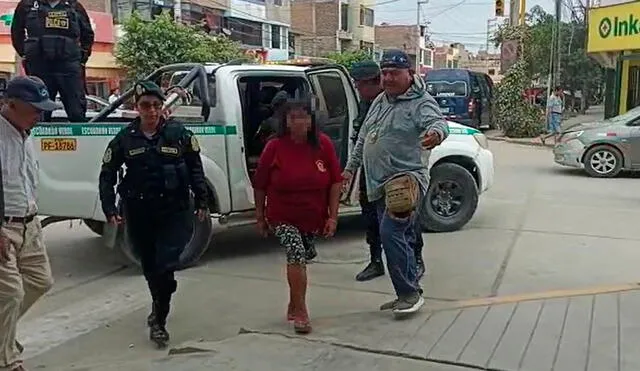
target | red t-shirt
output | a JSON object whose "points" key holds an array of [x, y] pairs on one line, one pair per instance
{"points": [[297, 179]]}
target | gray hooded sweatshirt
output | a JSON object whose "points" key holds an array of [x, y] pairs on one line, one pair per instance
{"points": [[389, 143]]}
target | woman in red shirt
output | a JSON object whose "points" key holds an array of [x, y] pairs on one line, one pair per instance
{"points": [[297, 191]]}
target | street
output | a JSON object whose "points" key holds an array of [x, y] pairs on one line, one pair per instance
{"points": [[541, 232]]}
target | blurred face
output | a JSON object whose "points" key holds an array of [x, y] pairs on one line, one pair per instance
{"points": [[368, 89], [23, 115], [150, 108], [298, 122], [396, 81]]}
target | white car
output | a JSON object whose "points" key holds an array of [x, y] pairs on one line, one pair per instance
{"points": [[225, 113], [94, 106]]}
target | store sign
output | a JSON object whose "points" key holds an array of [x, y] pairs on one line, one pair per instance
{"points": [[102, 23], [614, 28]]}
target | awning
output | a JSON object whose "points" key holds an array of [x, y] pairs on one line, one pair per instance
{"points": [[104, 73], [102, 60]]}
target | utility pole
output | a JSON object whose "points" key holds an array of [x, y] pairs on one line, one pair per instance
{"points": [[177, 11], [558, 39], [419, 26], [523, 12], [514, 12]]}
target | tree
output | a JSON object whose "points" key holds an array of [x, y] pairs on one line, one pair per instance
{"points": [[349, 58], [148, 45]]}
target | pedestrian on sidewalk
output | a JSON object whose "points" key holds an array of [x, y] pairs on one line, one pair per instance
{"points": [[401, 124], [297, 192], [367, 78], [25, 272], [163, 167], [555, 107]]}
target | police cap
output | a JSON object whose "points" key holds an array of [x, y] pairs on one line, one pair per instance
{"points": [[365, 70], [147, 87]]}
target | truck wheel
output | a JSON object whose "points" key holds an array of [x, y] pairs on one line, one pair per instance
{"points": [[95, 226], [197, 246], [451, 200]]}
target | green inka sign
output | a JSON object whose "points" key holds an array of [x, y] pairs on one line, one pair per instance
{"points": [[619, 27]]}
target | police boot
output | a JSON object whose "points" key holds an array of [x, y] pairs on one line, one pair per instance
{"points": [[371, 271], [159, 335]]}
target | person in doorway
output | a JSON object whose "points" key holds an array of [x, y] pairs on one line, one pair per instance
{"points": [[25, 272], [114, 95], [297, 191], [555, 107], [163, 165], [367, 76], [54, 38], [401, 124]]}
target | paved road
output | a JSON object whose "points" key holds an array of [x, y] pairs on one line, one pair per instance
{"points": [[539, 230]]}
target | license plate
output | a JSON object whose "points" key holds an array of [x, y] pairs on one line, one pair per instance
{"points": [[444, 109], [58, 144]]}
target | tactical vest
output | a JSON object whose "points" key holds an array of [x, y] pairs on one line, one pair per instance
{"points": [[156, 169], [52, 33]]}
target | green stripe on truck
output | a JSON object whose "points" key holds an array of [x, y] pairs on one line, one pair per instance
{"points": [[101, 130]]}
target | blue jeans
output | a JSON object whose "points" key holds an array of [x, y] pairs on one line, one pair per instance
{"points": [[399, 236]]}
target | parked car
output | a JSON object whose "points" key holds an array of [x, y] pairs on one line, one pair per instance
{"points": [[464, 96], [603, 148], [94, 106]]}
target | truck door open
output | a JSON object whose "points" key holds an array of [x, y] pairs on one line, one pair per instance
{"points": [[339, 104]]}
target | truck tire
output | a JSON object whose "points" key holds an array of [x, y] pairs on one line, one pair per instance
{"points": [[95, 226], [451, 200], [197, 246]]}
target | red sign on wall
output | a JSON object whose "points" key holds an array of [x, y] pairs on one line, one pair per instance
{"points": [[102, 23]]}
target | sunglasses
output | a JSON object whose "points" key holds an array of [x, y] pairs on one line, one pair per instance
{"points": [[149, 105]]}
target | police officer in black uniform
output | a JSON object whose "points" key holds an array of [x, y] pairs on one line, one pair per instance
{"points": [[163, 164], [54, 39]]}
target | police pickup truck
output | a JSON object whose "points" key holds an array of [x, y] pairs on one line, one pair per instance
{"points": [[229, 103]]}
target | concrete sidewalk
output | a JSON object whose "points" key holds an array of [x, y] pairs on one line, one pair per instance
{"points": [[594, 113]]}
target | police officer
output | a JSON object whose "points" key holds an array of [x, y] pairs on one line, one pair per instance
{"points": [[366, 76], [54, 39], [163, 164]]}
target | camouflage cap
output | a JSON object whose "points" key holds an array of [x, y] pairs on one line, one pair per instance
{"points": [[147, 87], [365, 70]]}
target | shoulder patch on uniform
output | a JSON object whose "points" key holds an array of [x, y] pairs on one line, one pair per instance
{"points": [[195, 145], [169, 150], [108, 154]]}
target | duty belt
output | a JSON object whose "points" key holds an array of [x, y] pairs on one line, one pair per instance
{"points": [[20, 219]]}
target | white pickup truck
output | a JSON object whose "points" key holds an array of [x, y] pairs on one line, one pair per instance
{"points": [[228, 106]]}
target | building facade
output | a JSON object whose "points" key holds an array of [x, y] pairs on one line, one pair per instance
{"points": [[410, 38], [102, 71], [450, 56], [258, 25], [322, 27], [614, 41], [483, 62]]}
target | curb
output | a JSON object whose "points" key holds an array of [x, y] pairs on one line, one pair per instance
{"points": [[522, 141]]}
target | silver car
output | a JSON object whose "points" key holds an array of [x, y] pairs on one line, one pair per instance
{"points": [[602, 148]]}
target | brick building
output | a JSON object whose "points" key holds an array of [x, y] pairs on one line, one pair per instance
{"points": [[327, 26], [409, 38]]}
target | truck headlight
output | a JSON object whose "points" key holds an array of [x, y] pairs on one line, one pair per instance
{"points": [[482, 140]]}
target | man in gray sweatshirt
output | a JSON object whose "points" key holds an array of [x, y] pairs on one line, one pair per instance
{"points": [[393, 145]]}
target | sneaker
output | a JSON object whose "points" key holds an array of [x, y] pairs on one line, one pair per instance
{"points": [[420, 269], [373, 270], [389, 305], [159, 335], [409, 304]]}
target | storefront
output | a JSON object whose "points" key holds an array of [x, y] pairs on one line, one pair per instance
{"points": [[614, 41], [102, 71]]}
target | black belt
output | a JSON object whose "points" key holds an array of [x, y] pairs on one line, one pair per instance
{"points": [[20, 219]]}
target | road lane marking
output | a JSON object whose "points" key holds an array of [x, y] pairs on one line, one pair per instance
{"points": [[44, 333], [552, 294]]}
